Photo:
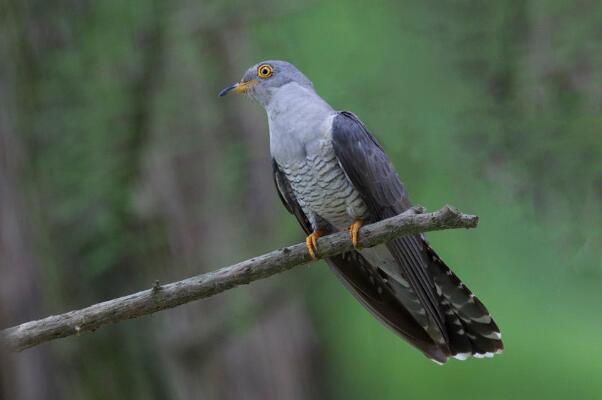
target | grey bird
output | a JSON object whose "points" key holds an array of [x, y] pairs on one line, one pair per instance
{"points": [[333, 175]]}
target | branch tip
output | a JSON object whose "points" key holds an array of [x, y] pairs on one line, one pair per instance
{"points": [[473, 221]]}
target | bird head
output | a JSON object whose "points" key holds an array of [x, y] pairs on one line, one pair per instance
{"points": [[262, 80]]}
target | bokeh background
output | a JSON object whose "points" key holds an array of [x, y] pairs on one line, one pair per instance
{"points": [[120, 166]]}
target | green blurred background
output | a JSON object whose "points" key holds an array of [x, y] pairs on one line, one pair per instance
{"points": [[119, 166]]}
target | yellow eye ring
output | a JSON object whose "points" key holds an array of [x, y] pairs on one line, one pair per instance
{"points": [[264, 71]]}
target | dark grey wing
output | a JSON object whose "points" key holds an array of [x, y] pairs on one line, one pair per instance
{"points": [[288, 197], [372, 174], [364, 282]]}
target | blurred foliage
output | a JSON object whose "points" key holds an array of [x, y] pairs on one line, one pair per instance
{"points": [[494, 107]]}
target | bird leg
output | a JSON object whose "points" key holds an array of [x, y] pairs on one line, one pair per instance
{"points": [[311, 242], [354, 231]]}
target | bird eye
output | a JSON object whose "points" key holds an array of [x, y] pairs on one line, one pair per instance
{"points": [[264, 71]]}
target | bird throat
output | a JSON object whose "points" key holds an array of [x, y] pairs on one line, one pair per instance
{"points": [[297, 119]]}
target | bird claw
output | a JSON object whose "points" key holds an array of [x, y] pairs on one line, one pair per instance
{"points": [[311, 242], [354, 231]]}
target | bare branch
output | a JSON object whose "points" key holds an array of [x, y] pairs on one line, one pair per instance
{"points": [[160, 297]]}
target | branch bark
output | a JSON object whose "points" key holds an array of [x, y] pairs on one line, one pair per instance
{"points": [[160, 297]]}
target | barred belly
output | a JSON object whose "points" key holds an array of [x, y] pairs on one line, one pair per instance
{"points": [[323, 190]]}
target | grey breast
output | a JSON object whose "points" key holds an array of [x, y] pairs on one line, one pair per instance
{"points": [[323, 189], [300, 142]]}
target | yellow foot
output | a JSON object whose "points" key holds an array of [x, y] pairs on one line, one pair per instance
{"points": [[312, 244], [354, 231]]}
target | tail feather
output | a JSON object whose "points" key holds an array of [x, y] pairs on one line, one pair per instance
{"points": [[374, 293], [477, 326], [460, 344], [469, 329]]}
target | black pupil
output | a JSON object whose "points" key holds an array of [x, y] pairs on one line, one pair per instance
{"points": [[265, 71]]}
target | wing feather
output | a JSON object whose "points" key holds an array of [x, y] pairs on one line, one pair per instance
{"points": [[463, 325], [372, 174]]}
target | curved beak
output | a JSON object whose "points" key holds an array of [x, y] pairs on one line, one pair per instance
{"points": [[238, 87]]}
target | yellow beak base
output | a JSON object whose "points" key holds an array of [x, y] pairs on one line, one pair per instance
{"points": [[238, 87]]}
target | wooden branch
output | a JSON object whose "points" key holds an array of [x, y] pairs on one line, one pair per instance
{"points": [[160, 297]]}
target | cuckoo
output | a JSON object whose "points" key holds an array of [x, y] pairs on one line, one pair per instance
{"points": [[333, 175]]}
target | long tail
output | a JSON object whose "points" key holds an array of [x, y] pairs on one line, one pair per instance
{"points": [[470, 327], [465, 326], [371, 289]]}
